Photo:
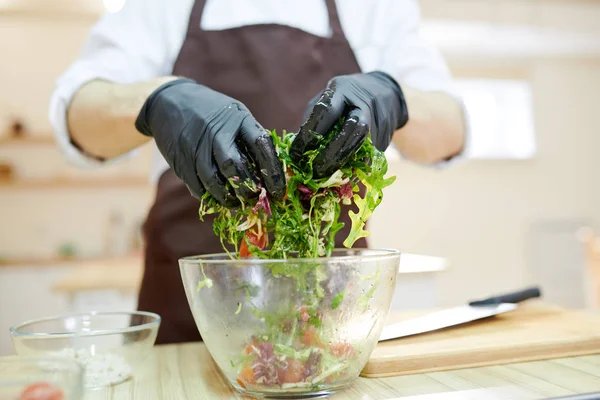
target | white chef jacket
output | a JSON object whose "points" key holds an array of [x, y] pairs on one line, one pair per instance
{"points": [[143, 40]]}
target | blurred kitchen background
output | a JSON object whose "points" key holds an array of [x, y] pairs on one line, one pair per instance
{"points": [[515, 213]]}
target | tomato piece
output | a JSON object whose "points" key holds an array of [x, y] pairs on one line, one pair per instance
{"points": [[250, 346], [246, 376], [304, 316], [311, 338], [241, 383], [257, 240], [42, 391], [244, 251], [294, 372], [254, 239], [341, 350]]}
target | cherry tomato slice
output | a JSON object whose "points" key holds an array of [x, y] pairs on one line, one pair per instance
{"points": [[304, 316], [255, 240], [244, 251], [42, 391], [294, 372], [246, 376], [310, 338], [341, 350]]}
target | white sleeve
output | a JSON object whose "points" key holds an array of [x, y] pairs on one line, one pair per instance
{"points": [[139, 42], [414, 62]]}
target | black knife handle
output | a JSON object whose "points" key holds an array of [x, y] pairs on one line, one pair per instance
{"points": [[514, 297], [583, 396]]}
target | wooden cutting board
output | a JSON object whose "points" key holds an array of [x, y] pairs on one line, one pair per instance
{"points": [[532, 332]]}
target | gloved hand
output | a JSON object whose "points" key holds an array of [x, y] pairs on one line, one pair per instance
{"points": [[370, 102], [208, 138]]}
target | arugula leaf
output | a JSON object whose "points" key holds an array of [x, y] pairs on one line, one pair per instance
{"points": [[206, 282], [363, 301], [337, 299]]}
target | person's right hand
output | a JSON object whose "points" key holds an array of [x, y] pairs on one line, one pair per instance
{"points": [[208, 138]]}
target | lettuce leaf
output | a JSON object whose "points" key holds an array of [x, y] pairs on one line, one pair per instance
{"points": [[374, 183]]}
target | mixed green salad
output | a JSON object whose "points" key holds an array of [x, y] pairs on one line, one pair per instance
{"points": [[296, 348]]}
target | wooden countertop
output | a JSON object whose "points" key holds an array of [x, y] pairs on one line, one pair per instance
{"points": [[187, 372]]}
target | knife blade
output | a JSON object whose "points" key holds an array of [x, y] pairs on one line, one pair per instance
{"points": [[472, 311]]}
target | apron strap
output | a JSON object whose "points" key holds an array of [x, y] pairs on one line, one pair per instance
{"points": [[196, 16], [334, 20]]}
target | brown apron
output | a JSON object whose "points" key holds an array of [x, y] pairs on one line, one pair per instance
{"points": [[274, 70]]}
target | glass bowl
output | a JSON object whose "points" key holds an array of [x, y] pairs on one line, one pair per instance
{"points": [[294, 328], [56, 378], [108, 344]]}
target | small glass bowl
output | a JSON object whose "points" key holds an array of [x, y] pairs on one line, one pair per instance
{"points": [[60, 377], [109, 345]]}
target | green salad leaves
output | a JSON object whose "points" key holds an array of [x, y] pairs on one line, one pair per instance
{"points": [[304, 224]]}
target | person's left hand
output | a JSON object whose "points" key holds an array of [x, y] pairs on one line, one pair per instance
{"points": [[370, 102]]}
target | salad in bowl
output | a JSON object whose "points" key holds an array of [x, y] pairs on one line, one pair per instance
{"points": [[282, 311]]}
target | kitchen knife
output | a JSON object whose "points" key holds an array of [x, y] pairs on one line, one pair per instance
{"points": [[583, 396], [472, 311]]}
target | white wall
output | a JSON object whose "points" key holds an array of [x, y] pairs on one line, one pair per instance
{"points": [[478, 214], [35, 50]]}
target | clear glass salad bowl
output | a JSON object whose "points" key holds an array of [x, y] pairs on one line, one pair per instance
{"points": [[109, 345], [294, 328]]}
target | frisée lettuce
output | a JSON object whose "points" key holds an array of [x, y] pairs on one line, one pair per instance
{"points": [[304, 224]]}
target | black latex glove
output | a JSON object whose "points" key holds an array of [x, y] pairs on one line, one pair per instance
{"points": [[369, 102], [207, 137]]}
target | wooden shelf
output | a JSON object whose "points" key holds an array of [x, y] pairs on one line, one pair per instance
{"points": [[36, 262], [28, 141], [116, 273], [124, 275], [75, 183], [133, 259]]}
